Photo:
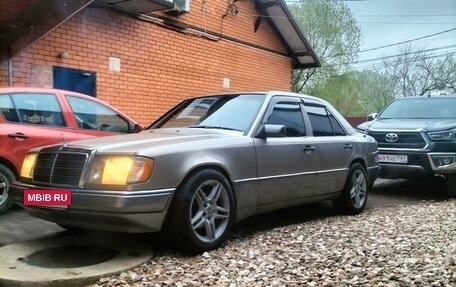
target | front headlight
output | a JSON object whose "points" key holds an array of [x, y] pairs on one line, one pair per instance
{"points": [[28, 165], [120, 170], [445, 136]]}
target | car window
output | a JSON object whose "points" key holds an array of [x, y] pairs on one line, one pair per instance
{"points": [[7, 109], [32, 108], [94, 116], [338, 129], [288, 114], [236, 112], [320, 120]]}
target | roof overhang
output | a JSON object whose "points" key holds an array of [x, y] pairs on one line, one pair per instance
{"points": [[24, 22], [278, 15]]}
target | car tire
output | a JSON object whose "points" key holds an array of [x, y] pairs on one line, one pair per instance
{"points": [[353, 198], [450, 186], [202, 212], [6, 177]]}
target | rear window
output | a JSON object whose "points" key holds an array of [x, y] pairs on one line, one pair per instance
{"points": [[323, 122]]}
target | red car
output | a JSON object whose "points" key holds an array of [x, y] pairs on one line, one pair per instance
{"points": [[31, 117]]}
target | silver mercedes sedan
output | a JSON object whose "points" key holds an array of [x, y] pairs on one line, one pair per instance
{"points": [[206, 164]]}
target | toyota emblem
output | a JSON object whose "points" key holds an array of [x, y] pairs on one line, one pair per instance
{"points": [[391, 137]]}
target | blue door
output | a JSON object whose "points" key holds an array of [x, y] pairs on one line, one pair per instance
{"points": [[75, 80]]}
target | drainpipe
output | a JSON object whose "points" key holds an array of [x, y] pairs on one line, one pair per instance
{"points": [[10, 72]]}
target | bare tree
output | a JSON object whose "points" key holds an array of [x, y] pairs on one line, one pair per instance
{"points": [[416, 72]]}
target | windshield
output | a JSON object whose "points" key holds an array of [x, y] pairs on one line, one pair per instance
{"points": [[233, 112], [421, 108]]}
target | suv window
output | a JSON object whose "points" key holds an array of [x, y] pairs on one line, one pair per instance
{"points": [[288, 114], [323, 122], [94, 116], [40, 109]]}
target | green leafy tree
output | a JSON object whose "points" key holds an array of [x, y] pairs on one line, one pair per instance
{"points": [[357, 93], [342, 91], [333, 33], [376, 90]]}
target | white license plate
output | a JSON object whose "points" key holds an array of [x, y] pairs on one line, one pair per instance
{"points": [[392, 158]]}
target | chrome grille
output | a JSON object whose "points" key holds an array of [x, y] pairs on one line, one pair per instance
{"points": [[405, 140], [63, 167]]}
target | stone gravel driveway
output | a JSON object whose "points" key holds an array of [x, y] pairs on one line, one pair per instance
{"points": [[396, 245]]}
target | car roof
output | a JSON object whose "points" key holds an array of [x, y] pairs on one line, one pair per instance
{"points": [[38, 90], [60, 91], [265, 93]]}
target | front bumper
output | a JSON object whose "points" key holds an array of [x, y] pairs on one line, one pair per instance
{"points": [[418, 164], [129, 211]]}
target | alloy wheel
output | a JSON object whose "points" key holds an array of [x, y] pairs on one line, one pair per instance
{"points": [[358, 191], [210, 211]]}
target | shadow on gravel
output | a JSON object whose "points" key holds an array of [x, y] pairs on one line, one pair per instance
{"points": [[281, 218], [385, 193], [402, 191]]}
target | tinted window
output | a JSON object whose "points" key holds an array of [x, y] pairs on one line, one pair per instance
{"points": [[40, 109], [288, 114], [320, 121], [95, 116], [338, 130]]}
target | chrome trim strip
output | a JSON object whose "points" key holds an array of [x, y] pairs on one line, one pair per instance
{"points": [[290, 175], [165, 191], [332, 170], [402, 166], [395, 130]]}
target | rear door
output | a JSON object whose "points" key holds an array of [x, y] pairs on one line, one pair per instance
{"points": [[31, 120], [333, 148]]}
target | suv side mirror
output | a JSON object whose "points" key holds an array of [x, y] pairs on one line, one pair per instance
{"points": [[268, 130], [371, 117]]}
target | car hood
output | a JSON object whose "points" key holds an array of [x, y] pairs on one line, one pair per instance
{"points": [[428, 125], [164, 138]]}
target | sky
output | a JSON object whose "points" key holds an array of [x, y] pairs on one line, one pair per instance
{"points": [[385, 22]]}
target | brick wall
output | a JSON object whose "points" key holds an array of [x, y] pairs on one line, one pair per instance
{"points": [[158, 66]]}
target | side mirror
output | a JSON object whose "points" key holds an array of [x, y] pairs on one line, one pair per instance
{"points": [[274, 131], [371, 117]]}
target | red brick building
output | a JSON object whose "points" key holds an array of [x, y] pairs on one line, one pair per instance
{"points": [[145, 62]]}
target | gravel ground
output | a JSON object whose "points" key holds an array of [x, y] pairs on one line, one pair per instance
{"points": [[411, 245]]}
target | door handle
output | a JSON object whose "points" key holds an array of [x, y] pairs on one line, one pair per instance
{"points": [[308, 149], [348, 146], [18, 136]]}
